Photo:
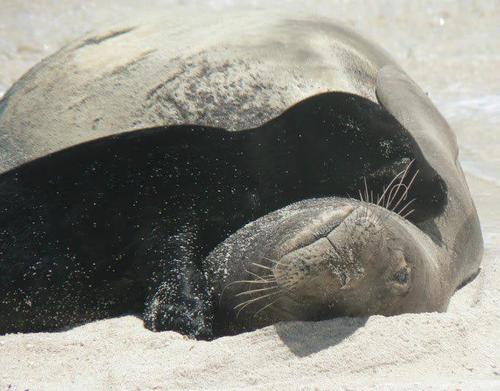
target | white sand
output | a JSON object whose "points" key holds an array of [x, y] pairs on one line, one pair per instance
{"points": [[451, 49]]}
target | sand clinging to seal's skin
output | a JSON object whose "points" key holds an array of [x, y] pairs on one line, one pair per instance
{"points": [[451, 49]]}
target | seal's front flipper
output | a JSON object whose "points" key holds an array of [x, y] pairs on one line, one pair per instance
{"points": [[177, 297], [180, 304]]}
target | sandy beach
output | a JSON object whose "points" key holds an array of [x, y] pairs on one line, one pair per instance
{"points": [[452, 50]]}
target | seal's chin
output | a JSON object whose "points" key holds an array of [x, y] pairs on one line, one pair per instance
{"points": [[355, 268]]}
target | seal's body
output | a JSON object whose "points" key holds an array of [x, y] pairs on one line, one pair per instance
{"points": [[109, 226], [266, 111]]}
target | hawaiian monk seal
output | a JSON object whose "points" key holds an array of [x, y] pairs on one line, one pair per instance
{"points": [[126, 223]]}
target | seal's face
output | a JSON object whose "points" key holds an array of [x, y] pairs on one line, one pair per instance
{"points": [[360, 259]]}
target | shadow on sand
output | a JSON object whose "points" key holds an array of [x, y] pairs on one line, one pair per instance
{"points": [[306, 338]]}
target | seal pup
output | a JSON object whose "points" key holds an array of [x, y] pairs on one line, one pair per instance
{"points": [[124, 223]]}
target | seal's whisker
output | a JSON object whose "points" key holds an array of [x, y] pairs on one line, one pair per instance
{"points": [[405, 172], [361, 196], [245, 304], [242, 282], [406, 206], [257, 276], [393, 192], [407, 214], [405, 193], [266, 306], [272, 260], [381, 198], [367, 195], [390, 185], [260, 280], [262, 266], [267, 277], [245, 293], [252, 282], [250, 301], [386, 189]]}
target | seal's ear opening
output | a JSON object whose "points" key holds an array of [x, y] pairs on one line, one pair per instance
{"points": [[338, 141]]}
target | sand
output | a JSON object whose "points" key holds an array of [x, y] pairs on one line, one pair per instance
{"points": [[451, 49]]}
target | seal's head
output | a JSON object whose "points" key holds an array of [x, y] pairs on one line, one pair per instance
{"points": [[340, 257], [368, 262]]}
